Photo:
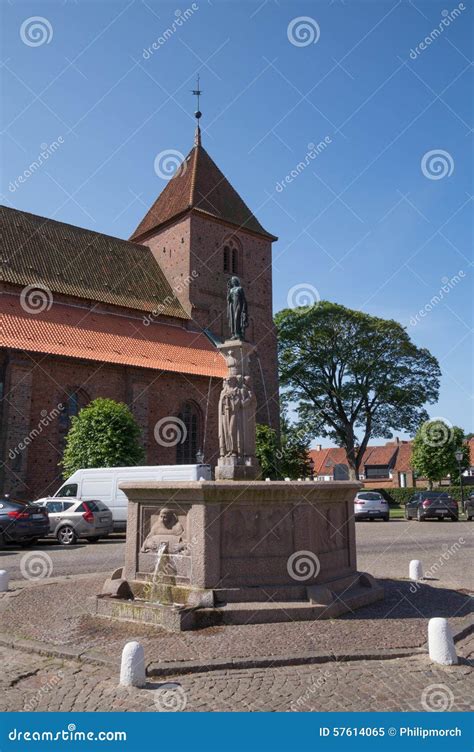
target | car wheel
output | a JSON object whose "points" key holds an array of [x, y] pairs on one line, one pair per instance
{"points": [[419, 517], [66, 535], [2, 540], [95, 539], [386, 518]]}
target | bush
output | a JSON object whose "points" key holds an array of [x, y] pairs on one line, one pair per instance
{"points": [[104, 434], [400, 496]]}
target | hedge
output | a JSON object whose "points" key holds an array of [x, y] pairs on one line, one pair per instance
{"points": [[399, 496]]}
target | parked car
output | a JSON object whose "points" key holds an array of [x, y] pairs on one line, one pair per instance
{"points": [[21, 522], [103, 484], [370, 505], [73, 519], [469, 506], [431, 504]]}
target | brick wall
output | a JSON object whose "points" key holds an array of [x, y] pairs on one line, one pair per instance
{"points": [[35, 390]]}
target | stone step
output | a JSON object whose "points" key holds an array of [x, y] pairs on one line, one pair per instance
{"points": [[279, 593]]}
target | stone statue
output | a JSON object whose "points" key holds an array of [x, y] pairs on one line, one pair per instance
{"points": [[230, 418], [236, 309], [167, 529]]}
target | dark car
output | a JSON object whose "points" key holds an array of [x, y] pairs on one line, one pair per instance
{"points": [[469, 506], [21, 523], [431, 505]]}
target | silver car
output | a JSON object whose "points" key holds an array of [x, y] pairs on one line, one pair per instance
{"points": [[370, 505], [73, 519]]}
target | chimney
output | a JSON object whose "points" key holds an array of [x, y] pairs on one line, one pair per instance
{"points": [[318, 447]]}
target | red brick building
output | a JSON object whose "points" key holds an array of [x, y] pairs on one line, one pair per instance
{"points": [[86, 315]]}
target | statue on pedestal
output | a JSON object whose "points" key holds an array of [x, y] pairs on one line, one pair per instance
{"points": [[236, 309]]}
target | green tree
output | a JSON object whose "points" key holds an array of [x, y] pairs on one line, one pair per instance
{"points": [[104, 434], [284, 457], [353, 376], [434, 448]]}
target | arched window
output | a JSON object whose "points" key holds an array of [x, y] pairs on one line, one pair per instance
{"points": [[73, 401], [191, 419], [232, 257]]}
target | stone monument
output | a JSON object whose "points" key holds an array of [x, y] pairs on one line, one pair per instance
{"points": [[237, 550]]}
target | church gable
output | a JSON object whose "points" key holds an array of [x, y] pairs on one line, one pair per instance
{"points": [[73, 261]]}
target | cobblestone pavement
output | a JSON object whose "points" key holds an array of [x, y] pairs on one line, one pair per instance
{"points": [[59, 613], [30, 682]]}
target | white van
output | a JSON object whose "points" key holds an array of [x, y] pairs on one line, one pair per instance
{"points": [[103, 484]]}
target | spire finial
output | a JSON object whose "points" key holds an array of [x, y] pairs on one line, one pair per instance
{"points": [[198, 114]]}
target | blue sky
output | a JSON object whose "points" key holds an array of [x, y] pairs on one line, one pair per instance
{"points": [[379, 220]]}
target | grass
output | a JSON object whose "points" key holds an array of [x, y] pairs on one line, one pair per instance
{"points": [[397, 513]]}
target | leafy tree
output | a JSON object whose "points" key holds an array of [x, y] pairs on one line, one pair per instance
{"points": [[351, 373], [469, 436], [434, 448], [104, 434], [286, 457]]}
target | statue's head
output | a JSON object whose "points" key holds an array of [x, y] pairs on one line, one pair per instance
{"points": [[234, 282], [167, 517]]}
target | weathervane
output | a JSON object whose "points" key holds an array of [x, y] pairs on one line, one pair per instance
{"points": [[197, 93], [198, 114]]}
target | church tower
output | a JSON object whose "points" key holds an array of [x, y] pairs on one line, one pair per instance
{"points": [[201, 232]]}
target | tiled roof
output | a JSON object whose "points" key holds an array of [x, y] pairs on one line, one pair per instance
{"points": [[75, 332], [325, 459], [379, 455], [403, 461], [73, 261], [199, 185]]}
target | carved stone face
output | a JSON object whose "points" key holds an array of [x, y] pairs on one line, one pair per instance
{"points": [[167, 518]]}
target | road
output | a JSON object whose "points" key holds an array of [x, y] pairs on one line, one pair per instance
{"points": [[383, 549]]}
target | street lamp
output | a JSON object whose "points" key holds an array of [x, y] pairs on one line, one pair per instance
{"points": [[459, 454]]}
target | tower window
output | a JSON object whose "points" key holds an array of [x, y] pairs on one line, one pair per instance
{"points": [[232, 257]]}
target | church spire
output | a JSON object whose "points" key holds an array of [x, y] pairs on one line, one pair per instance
{"points": [[198, 114]]}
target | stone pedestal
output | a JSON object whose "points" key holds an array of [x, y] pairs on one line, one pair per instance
{"points": [[240, 552], [237, 410]]}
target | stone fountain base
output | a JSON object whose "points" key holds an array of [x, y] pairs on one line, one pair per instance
{"points": [[238, 553]]}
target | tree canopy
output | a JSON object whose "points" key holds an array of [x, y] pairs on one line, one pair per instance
{"points": [[434, 448], [104, 434], [353, 374]]}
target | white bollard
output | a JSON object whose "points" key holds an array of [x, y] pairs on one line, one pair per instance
{"points": [[268, 480], [132, 669], [440, 642], [4, 579], [416, 570]]}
